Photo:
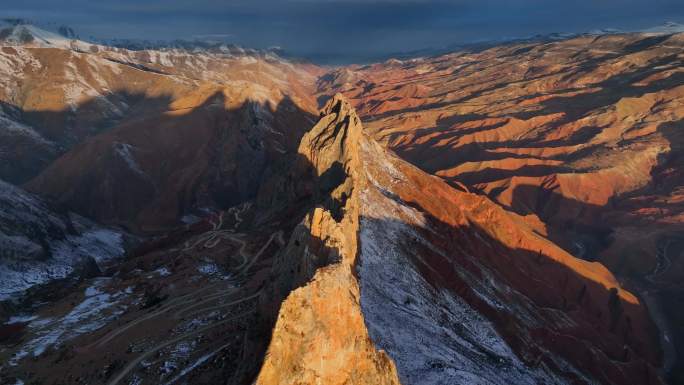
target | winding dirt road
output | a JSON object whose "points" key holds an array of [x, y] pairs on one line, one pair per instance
{"points": [[195, 303], [666, 248], [131, 365]]}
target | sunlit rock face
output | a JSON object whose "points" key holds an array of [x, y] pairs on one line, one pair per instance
{"points": [[447, 283], [320, 334]]}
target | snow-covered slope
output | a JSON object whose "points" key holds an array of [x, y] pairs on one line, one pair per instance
{"points": [[18, 32], [434, 336], [458, 291], [57, 91], [38, 243]]}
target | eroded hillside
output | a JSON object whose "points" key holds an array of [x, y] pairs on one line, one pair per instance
{"points": [[581, 137]]}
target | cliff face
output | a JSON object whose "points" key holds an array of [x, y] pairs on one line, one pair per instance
{"points": [[446, 282], [320, 335]]}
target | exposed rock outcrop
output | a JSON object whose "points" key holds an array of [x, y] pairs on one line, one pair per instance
{"points": [[320, 335], [447, 282]]}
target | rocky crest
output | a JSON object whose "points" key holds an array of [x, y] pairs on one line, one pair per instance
{"points": [[396, 259], [384, 233], [320, 335]]}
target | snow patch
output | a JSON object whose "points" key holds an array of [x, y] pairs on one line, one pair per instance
{"points": [[190, 219], [96, 310], [168, 367], [100, 244], [195, 364], [38, 246], [17, 319], [162, 272], [124, 150], [433, 336], [667, 28], [208, 269], [16, 128]]}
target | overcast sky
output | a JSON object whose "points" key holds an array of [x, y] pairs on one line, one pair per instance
{"points": [[342, 30]]}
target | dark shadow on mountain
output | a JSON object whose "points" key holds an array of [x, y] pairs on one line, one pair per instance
{"points": [[471, 264], [137, 66], [586, 230], [490, 174], [646, 43], [668, 175], [24, 155], [173, 162], [282, 185], [286, 201], [572, 224]]}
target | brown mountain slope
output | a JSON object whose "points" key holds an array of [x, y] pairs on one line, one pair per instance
{"points": [[582, 137], [52, 97], [590, 120], [451, 285], [145, 138], [209, 149]]}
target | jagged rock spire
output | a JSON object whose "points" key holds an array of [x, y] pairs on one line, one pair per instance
{"points": [[334, 136], [320, 336]]}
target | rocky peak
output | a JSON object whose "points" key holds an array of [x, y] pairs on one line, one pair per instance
{"points": [[383, 239], [334, 137], [320, 335]]}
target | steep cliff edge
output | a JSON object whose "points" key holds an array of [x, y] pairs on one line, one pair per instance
{"points": [[449, 284], [320, 335]]}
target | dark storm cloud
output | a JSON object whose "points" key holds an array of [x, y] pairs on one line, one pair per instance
{"points": [[343, 30]]}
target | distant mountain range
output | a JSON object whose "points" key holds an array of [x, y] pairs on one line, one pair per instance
{"points": [[21, 31], [60, 35]]}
